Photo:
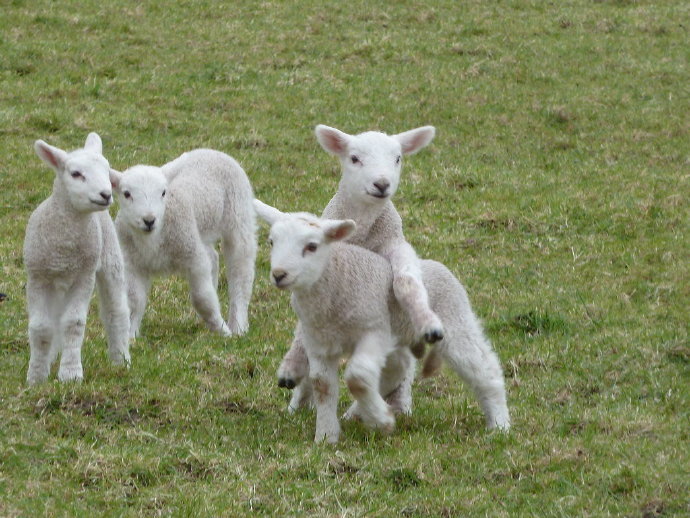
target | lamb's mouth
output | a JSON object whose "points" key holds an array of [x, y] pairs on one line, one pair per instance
{"points": [[283, 285], [379, 195], [102, 203]]}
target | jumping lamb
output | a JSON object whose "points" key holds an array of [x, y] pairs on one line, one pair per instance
{"points": [[169, 221], [71, 244], [371, 164], [344, 297]]}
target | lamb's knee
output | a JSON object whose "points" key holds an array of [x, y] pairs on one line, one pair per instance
{"points": [[41, 332], [322, 389], [73, 327], [361, 379]]}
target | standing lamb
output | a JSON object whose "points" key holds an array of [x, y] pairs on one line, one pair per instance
{"points": [[71, 244], [169, 221], [371, 164], [343, 296]]}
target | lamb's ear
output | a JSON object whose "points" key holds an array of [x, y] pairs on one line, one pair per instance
{"points": [[53, 156], [94, 143], [269, 214], [172, 169], [115, 178], [337, 230], [414, 140], [332, 140]]}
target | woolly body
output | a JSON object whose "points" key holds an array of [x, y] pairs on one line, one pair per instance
{"points": [[344, 297], [169, 222]]}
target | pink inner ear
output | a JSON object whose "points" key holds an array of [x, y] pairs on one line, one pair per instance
{"points": [[333, 142], [50, 156]]}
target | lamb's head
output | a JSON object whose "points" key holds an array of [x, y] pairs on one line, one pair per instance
{"points": [[371, 161], [141, 192], [300, 245], [81, 176]]}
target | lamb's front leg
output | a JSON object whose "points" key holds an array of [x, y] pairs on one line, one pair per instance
{"points": [[363, 374], [204, 296], [71, 328], [324, 380], [410, 292], [42, 327]]}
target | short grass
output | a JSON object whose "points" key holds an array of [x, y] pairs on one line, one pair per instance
{"points": [[556, 189]]}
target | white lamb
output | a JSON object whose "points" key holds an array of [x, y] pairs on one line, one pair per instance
{"points": [[169, 220], [343, 296], [371, 164], [71, 244]]}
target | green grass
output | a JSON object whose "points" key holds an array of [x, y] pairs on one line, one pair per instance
{"points": [[556, 189]]}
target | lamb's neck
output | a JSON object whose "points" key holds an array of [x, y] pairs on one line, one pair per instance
{"points": [[323, 296], [62, 209], [364, 212]]}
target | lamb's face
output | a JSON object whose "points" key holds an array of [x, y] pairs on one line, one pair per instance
{"points": [[299, 252], [86, 178], [83, 176], [141, 192], [371, 167], [371, 161]]}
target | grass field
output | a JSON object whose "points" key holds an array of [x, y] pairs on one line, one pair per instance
{"points": [[557, 189]]}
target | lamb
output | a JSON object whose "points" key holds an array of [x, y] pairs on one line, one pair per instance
{"points": [[169, 220], [371, 164], [344, 297], [70, 245]]}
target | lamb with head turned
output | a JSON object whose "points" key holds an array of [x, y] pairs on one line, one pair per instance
{"points": [[71, 245]]}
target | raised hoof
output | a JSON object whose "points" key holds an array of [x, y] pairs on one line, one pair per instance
{"points": [[433, 336], [287, 383]]}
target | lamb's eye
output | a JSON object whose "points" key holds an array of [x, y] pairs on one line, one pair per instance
{"points": [[354, 159], [77, 174], [127, 195], [311, 247], [397, 159], [162, 195]]}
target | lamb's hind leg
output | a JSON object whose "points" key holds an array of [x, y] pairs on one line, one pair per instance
{"points": [[239, 253], [293, 373], [112, 294], [42, 326], [114, 314], [469, 354]]}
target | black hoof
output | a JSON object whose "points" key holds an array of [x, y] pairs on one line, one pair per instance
{"points": [[433, 336], [286, 383]]}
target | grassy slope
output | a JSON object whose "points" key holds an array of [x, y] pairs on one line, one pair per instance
{"points": [[556, 189]]}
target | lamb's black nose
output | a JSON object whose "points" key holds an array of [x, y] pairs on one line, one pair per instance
{"points": [[149, 223], [382, 186], [106, 196], [278, 275]]}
